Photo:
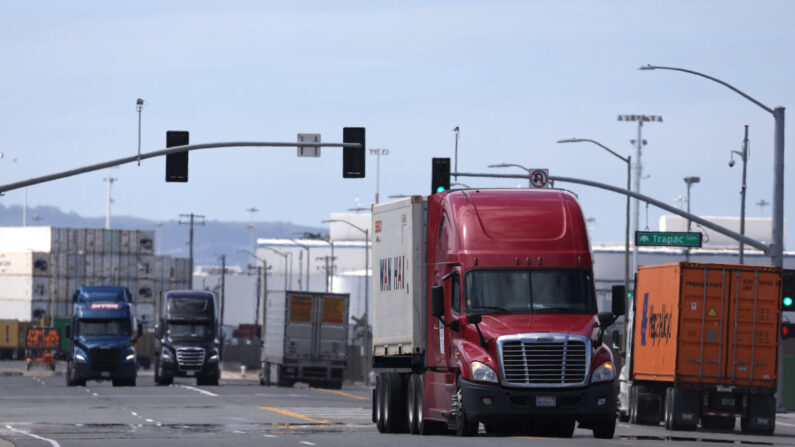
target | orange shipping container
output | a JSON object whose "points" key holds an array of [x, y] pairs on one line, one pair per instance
{"points": [[707, 323]]}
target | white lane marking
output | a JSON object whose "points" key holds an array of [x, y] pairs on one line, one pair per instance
{"points": [[624, 425], [95, 394], [307, 443], [134, 413], [52, 442], [784, 424], [150, 420], [199, 390], [270, 436], [239, 432]]}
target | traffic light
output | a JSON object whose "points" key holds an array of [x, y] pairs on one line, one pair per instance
{"points": [[177, 164], [353, 157], [787, 330], [440, 175], [787, 289]]}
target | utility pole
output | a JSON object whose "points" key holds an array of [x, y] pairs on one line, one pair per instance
{"points": [[744, 157], [223, 287], [139, 107], [378, 153], [762, 204], [259, 285], [192, 222], [251, 211], [457, 130], [110, 179], [689, 181], [639, 143]]}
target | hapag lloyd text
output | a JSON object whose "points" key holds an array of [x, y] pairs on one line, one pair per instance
{"points": [[392, 273]]}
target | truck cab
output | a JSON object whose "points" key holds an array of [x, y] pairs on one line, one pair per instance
{"points": [[103, 330], [512, 336], [187, 336]]}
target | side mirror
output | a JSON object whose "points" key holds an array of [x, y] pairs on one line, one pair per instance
{"points": [[68, 331], [605, 320], [474, 318], [619, 300], [437, 301], [74, 297]]}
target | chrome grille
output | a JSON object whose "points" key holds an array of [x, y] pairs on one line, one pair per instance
{"points": [[105, 358], [544, 360], [190, 357]]}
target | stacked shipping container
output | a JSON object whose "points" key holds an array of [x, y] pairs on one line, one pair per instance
{"points": [[41, 267]]}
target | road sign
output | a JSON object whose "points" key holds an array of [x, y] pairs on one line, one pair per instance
{"points": [[667, 239], [309, 151], [539, 178]]}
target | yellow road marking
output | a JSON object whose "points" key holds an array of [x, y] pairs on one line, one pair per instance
{"points": [[292, 414], [340, 393]]}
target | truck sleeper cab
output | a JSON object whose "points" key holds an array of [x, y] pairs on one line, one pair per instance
{"points": [[103, 330], [187, 338], [506, 329]]}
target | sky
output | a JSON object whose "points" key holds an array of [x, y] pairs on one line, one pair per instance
{"points": [[514, 76]]}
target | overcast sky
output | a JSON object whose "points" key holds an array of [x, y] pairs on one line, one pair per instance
{"points": [[515, 76]]}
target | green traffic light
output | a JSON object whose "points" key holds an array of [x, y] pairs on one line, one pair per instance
{"points": [[787, 301], [629, 295], [439, 188]]}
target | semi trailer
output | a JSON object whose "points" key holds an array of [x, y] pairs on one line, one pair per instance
{"points": [[484, 311]]}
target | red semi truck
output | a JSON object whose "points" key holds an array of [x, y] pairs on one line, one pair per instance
{"points": [[484, 311]]}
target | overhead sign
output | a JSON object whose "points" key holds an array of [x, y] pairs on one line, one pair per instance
{"points": [[539, 178], [667, 239], [308, 151]]}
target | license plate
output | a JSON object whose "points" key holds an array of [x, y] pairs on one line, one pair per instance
{"points": [[727, 401], [189, 373], [105, 373], [546, 401]]}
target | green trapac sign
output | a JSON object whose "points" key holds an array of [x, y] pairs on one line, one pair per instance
{"points": [[667, 239]]}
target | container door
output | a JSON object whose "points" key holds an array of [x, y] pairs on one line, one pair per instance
{"points": [[704, 308], [299, 336], [754, 316], [332, 334]]}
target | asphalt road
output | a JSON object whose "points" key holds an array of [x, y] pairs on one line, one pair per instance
{"points": [[37, 409]]}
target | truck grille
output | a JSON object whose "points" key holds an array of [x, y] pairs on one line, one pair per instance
{"points": [[105, 358], [544, 360], [190, 357]]}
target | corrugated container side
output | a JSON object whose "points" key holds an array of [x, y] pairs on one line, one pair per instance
{"points": [[399, 304], [115, 241], [81, 240], [124, 241], [76, 265], [9, 334], [145, 313], [90, 240], [99, 240], [334, 326], [146, 266], [145, 290], [22, 263], [273, 349]]}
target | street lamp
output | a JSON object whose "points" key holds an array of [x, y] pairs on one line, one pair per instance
{"points": [[284, 255], [366, 341], [628, 161], [264, 288], [378, 153], [690, 181], [744, 157], [305, 247], [513, 165], [777, 247]]}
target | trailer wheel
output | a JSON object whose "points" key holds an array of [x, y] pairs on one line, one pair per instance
{"points": [[394, 404], [633, 405], [378, 403], [411, 404]]}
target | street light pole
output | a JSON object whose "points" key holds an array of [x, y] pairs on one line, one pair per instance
{"points": [[628, 161], [378, 153], [689, 181], [744, 157], [264, 289], [514, 165], [305, 247], [284, 255], [777, 249]]}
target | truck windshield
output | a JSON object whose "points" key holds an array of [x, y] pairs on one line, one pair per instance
{"points": [[179, 330], [88, 328], [529, 291]]}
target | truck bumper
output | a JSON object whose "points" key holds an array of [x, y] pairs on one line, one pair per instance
{"points": [[495, 403], [311, 372], [209, 369], [87, 372]]}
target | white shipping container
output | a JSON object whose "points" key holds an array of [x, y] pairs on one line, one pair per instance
{"points": [[76, 265], [81, 240], [90, 240], [19, 239], [398, 286], [99, 240], [124, 241], [144, 290], [146, 266], [145, 313], [115, 241], [25, 263], [15, 310], [71, 287], [72, 239], [63, 236], [61, 263], [62, 289], [145, 242]]}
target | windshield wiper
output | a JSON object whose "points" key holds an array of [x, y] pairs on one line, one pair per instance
{"points": [[554, 310], [497, 308]]}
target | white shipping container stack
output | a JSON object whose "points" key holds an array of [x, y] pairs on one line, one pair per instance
{"points": [[41, 267]]}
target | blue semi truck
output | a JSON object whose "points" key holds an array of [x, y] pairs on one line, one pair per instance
{"points": [[103, 330]]}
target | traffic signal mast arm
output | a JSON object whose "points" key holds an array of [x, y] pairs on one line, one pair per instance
{"points": [[174, 150], [705, 223]]}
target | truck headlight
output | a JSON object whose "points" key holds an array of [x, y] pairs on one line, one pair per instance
{"points": [[604, 373], [213, 356], [482, 373], [80, 358], [166, 354], [130, 357]]}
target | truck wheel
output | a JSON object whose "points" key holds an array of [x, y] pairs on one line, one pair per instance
{"points": [[760, 407], [378, 403], [633, 405], [394, 404], [464, 425], [265, 374], [605, 429], [69, 380], [411, 404]]}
